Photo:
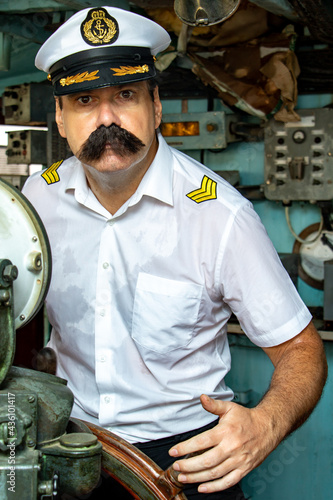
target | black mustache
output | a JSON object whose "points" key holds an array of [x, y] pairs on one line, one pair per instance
{"points": [[122, 142]]}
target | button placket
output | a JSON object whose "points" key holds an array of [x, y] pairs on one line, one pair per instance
{"points": [[105, 326]]}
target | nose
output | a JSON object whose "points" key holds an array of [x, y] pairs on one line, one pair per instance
{"points": [[107, 114]]}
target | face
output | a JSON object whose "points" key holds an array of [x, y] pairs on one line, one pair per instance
{"points": [[128, 106]]}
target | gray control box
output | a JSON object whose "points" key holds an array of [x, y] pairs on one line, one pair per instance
{"points": [[26, 146], [299, 157], [28, 104]]}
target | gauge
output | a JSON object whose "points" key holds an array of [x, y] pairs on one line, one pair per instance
{"points": [[313, 255], [25, 243]]}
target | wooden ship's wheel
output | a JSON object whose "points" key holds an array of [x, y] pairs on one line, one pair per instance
{"points": [[134, 470]]}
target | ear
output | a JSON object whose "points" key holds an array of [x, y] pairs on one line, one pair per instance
{"points": [[157, 108], [59, 118]]}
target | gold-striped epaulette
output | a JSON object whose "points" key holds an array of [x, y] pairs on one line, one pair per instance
{"points": [[50, 175], [206, 192]]}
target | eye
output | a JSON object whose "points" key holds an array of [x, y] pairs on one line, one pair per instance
{"points": [[126, 94], [84, 99]]}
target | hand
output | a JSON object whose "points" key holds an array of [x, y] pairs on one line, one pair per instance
{"points": [[237, 444]]}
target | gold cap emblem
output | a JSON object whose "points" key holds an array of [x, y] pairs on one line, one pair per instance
{"points": [[99, 28]]}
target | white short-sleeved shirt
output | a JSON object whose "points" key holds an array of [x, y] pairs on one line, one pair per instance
{"points": [[139, 301]]}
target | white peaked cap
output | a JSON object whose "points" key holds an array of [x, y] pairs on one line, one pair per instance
{"points": [[100, 47]]}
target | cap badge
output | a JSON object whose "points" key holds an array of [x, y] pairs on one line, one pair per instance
{"points": [[99, 28]]}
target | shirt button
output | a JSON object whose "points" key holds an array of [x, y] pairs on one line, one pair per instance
{"points": [[105, 265], [102, 359], [107, 399], [111, 222], [102, 312]]}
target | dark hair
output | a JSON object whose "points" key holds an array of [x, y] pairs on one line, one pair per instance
{"points": [[152, 84], [59, 99]]}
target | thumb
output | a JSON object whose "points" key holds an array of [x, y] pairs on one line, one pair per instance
{"points": [[214, 406]]}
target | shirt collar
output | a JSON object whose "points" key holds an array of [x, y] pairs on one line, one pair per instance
{"points": [[157, 181], [77, 182], [77, 179]]}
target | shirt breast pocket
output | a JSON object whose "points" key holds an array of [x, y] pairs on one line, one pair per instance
{"points": [[165, 313]]}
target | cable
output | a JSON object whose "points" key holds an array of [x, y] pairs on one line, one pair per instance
{"points": [[320, 229]]}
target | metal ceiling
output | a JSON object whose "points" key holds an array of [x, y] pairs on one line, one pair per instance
{"points": [[26, 24]]}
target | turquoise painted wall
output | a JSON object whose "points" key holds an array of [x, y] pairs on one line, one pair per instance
{"points": [[301, 468]]}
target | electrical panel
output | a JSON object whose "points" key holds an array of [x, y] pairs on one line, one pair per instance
{"points": [[26, 146], [28, 104], [299, 157], [195, 130]]}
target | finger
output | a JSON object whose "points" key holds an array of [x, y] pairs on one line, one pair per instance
{"points": [[223, 483], [198, 443], [215, 406], [200, 461], [204, 475], [220, 477]]}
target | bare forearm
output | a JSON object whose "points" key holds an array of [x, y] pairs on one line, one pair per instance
{"points": [[297, 382]]}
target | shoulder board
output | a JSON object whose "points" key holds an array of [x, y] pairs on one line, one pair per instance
{"points": [[207, 191], [50, 175]]}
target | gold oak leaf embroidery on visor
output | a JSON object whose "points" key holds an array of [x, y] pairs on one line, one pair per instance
{"points": [[130, 70], [79, 78], [51, 175], [206, 192]]}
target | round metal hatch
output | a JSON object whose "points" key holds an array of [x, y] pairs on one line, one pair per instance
{"points": [[24, 242], [205, 12]]}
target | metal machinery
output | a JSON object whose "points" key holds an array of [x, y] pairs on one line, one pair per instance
{"points": [[299, 167], [44, 453]]}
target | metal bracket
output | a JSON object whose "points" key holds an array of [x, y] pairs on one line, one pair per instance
{"points": [[8, 273]]}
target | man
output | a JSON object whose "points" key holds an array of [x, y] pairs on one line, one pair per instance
{"points": [[152, 252]]}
